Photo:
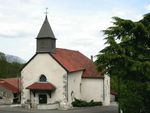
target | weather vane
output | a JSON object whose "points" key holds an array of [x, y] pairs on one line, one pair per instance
{"points": [[46, 12]]}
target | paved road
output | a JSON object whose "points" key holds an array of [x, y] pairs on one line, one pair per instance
{"points": [[106, 109]]}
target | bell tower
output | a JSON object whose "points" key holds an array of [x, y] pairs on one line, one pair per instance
{"points": [[46, 41]]}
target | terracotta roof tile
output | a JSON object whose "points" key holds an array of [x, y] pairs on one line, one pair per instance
{"points": [[10, 84], [75, 61], [41, 86], [13, 81]]}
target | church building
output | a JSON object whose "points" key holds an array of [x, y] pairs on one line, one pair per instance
{"points": [[53, 77]]}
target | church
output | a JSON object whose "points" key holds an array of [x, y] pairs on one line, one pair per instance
{"points": [[54, 77]]}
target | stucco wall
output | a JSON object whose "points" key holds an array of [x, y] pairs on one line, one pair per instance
{"points": [[107, 90], [43, 64], [74, 81], [92, 89]]}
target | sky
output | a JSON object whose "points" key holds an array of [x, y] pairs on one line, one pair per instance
{"points": [[77, 24]]}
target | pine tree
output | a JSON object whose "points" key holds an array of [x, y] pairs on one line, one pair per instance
{"points": [[127, 56]]}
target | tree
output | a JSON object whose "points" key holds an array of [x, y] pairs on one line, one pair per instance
{"points": [[8, 69], [127, 56]]}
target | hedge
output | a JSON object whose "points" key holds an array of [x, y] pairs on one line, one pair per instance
{"points": [[82, 103]]}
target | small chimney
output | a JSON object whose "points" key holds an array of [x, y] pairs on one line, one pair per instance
{"points": [[92, 58]]}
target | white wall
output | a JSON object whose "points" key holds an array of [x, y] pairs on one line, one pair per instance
{"points": [[74, 81], [43, 64], [92, 89], [107, 90]]}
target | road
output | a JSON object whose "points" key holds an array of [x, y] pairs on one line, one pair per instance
{"points": [[104, 109]]}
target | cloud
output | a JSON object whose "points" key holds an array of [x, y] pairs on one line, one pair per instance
{"points": [[78, 27], [15, 35], [81, 32]]}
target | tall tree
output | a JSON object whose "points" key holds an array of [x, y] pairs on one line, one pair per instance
{"points": [[127, 56]]}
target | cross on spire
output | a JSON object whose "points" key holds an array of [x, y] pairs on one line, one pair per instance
{"points": [[46, 12]]}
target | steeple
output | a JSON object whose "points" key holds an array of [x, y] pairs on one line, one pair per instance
{"points": [[46, 41], [46, 31]]}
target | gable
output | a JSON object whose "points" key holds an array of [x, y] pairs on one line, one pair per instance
{"points": [[42, 62], [38, 54], [72, 61]]}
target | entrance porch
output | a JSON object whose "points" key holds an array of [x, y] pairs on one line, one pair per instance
{"points": [[41, 94]]}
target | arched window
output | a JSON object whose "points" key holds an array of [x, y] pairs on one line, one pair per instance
{"points": [[43, 78]]}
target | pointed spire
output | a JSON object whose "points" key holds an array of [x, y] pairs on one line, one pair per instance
{"points": [[46, 31]]}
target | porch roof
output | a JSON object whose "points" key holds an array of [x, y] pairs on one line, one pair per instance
{"points": [[41, 86]]}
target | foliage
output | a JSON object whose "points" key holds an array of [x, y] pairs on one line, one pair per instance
{"points": [[127, 56], [82, 103], [8, 69], [114, 84]]}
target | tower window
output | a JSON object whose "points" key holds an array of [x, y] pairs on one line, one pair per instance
{"points": [[43, 78]]}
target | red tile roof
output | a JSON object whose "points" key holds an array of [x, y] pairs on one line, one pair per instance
{"points": [[13, 81], [41, 86], [74, 61], [11, 84]]}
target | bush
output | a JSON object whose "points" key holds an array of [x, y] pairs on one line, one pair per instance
{"points": [[82, 103]]}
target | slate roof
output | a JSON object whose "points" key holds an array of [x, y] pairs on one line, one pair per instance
{"points": [[46, 31], [73, 61], [41, 86], [11, 84]]}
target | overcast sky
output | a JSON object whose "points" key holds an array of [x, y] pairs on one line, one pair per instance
{"points": [[77, 24]]}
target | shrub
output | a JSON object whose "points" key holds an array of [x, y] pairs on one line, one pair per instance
{"points": [[82, 103]]}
